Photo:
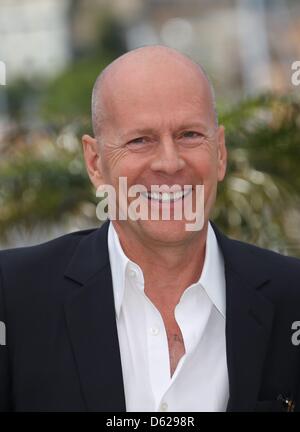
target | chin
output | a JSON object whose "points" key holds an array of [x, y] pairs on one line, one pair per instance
{"points": [[168, 231]]}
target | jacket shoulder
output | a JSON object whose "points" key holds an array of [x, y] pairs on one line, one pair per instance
{"points": [[268, 254], [31, 258], [267, 257], [254, 263]]}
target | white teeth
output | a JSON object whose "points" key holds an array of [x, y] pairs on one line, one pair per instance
{"points": [[166, 196], [178, 195]]}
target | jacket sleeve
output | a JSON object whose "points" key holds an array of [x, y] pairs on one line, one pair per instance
{"points": [[5, 400]]}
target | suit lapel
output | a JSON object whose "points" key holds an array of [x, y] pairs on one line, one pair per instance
{"points": [[90, 316], [249, 318], [91, 323]]}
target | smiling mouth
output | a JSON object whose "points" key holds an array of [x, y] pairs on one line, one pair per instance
{"points": [[166, 197]]}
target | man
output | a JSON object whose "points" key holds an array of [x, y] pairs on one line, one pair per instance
{"points": [[145, 315]]}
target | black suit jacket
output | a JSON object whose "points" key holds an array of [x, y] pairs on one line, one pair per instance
{"points": [[62, 351]]}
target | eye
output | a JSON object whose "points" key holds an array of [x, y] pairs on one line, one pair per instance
{"points": [[139, 140], [191, 138], [142, 143], [191, 134]]}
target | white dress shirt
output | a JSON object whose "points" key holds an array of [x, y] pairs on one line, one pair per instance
{"points": [[200, 381]]}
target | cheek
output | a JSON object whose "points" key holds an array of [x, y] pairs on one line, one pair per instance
{"points": [[206, 167], [113, 163], [122, 163], [112, 157]]}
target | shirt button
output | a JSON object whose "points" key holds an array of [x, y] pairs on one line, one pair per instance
{"points": [[163, 407], [154, 331]]}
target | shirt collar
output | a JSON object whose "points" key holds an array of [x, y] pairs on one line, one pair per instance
{"points": [[213, 273], [118, 264], [212, 278]]}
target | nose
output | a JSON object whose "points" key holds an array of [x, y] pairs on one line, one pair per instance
{"points": [[167, 158]]}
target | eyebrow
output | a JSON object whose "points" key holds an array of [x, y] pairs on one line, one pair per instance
{"points": [[193, 125]]}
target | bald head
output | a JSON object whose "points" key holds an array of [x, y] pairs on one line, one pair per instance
{"points": [[144, 66]]}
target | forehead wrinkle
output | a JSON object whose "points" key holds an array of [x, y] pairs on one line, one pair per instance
{"points": [[153, 116]]}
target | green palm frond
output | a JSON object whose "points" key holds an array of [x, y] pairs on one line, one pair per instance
{"points": [[35, 190], [257, 202]]}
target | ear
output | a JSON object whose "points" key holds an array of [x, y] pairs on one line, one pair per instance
{"points": [[92, 159], [222, 153]]}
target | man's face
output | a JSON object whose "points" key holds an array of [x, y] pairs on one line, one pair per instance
{"points": [[160, 129]]}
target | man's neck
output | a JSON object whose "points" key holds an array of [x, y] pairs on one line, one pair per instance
{"points": [[168, 269]]}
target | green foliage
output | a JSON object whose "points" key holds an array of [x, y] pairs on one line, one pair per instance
{"points": [[262, 187], [68, 97], [35, 190], [257, 202]]}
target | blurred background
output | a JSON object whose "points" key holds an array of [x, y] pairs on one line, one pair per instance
{"points": [[50, 54]]}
